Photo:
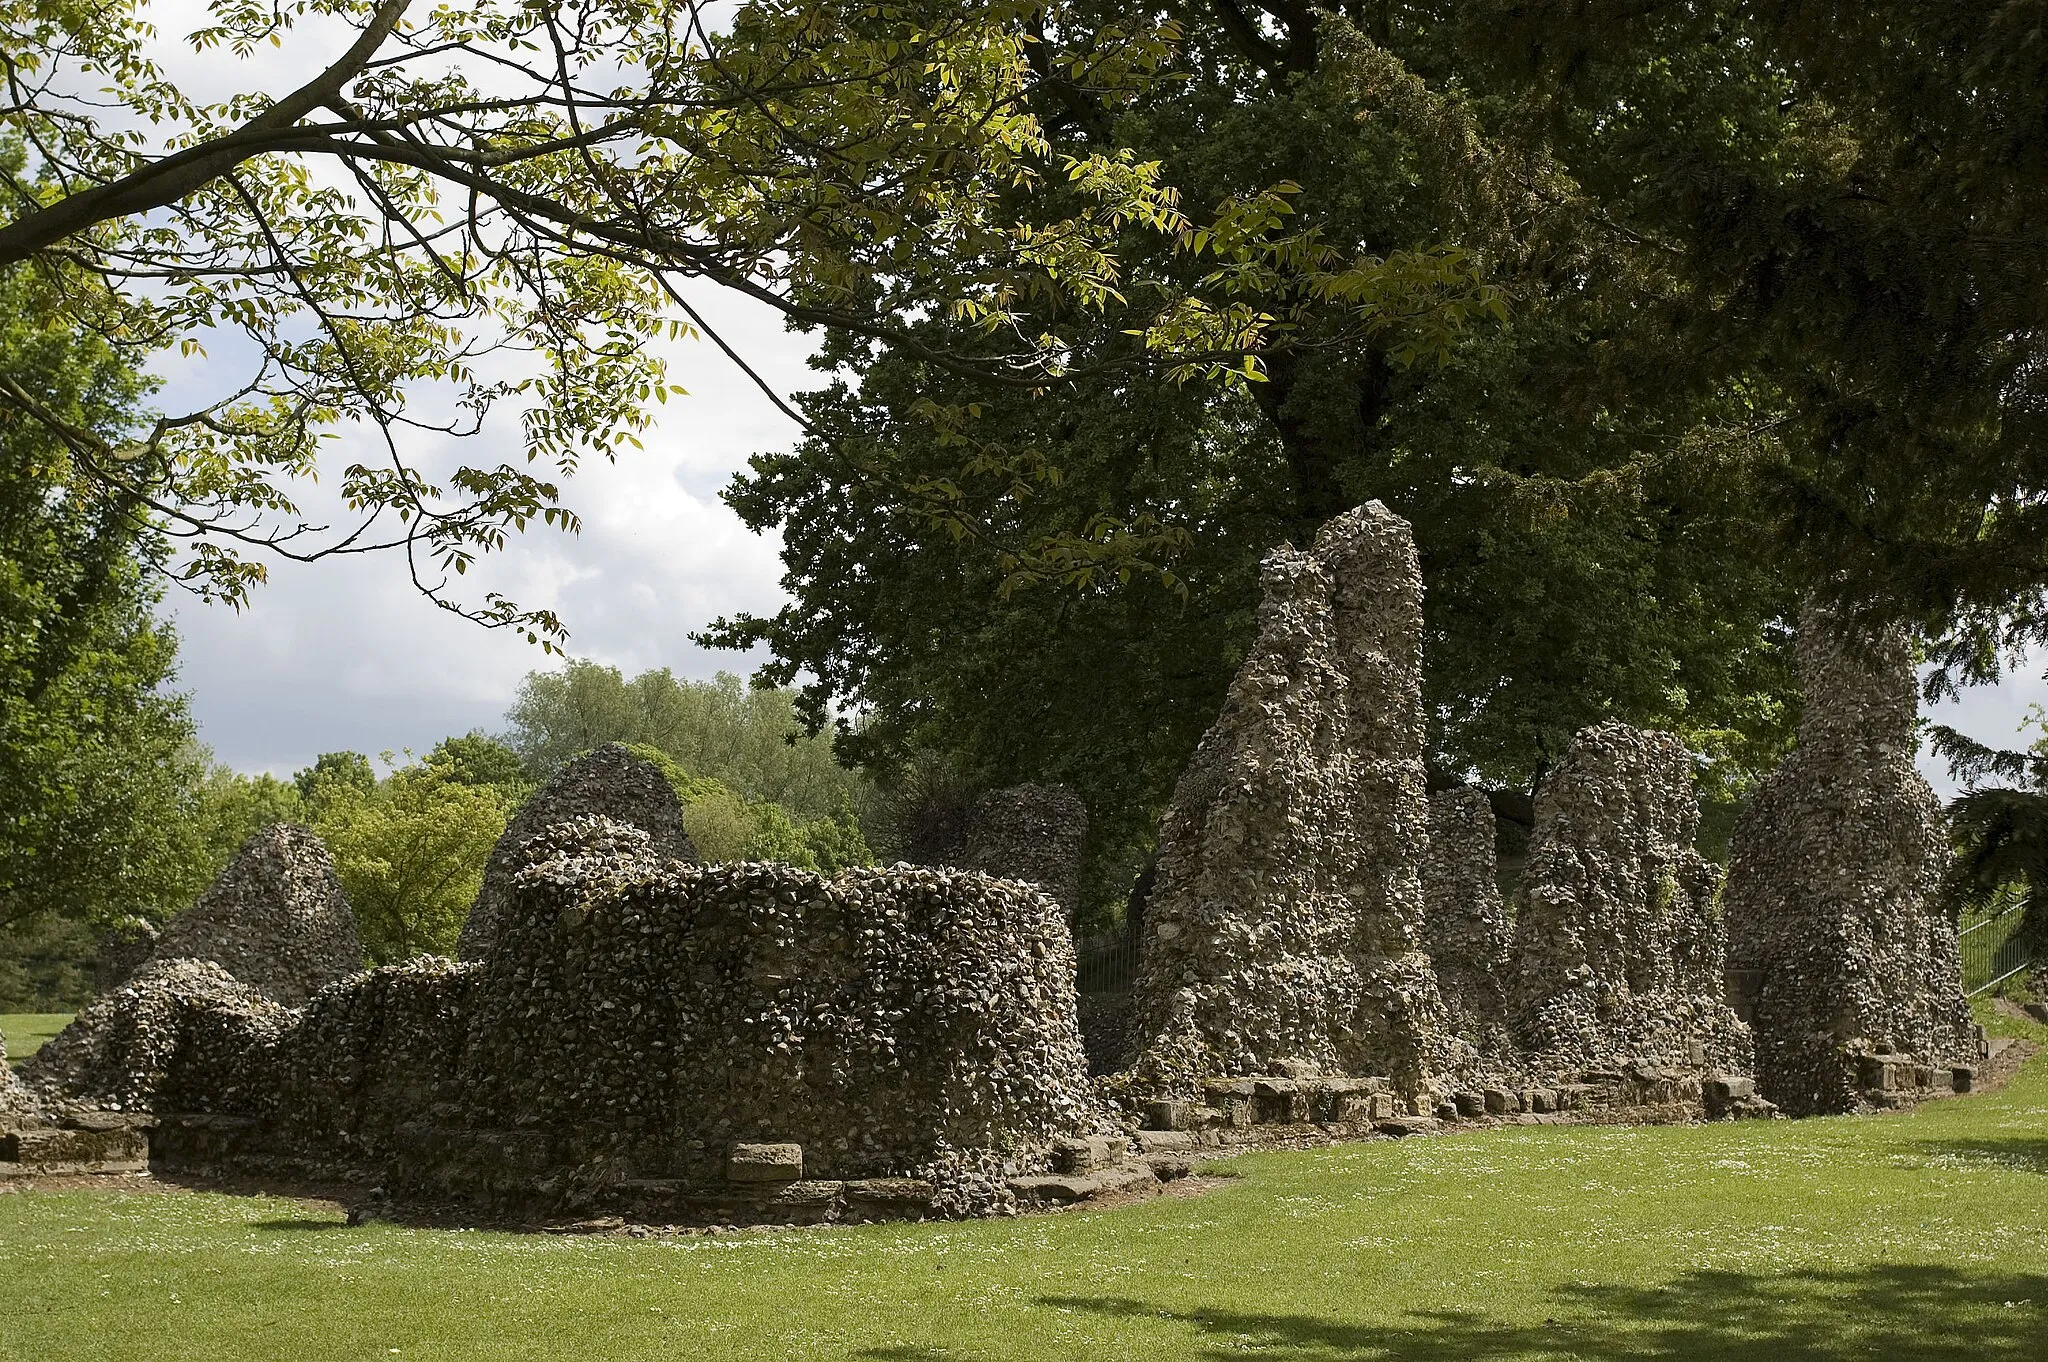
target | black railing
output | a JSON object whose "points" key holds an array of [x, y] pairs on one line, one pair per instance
{"points": [[1996, 947], [1108, 963]]}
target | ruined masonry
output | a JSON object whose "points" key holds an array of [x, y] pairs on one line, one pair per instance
{"points": [[607, 782], [1618, 949], [1837, 946], [1468, 930], [633, 1034], [275, 919], [1325, 943], [646, 1037], [1034, 833], [1285, 926]]}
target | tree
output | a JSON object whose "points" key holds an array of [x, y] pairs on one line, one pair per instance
{"points": [[476, 758], [1852, 196], [1587, 518], [333, 773], [547, 181], [725, 827], [410, 853], [232, 806], [750, 740], [96, 768]]}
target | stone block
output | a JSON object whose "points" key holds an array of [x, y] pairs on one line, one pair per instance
{"points": [[1159, 1141], [1722, 1088], [1278, 1102], [1962, 1078], [1539, 1100], [765, 1163], [1500, 1102], [1169, 1115], [1054, 1188], [1400, 1126], [1086, 1154], [1470, 1103], [889, 1196]]}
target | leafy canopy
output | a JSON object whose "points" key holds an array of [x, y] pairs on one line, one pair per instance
{"points": [[96, 771], [494, 212]]}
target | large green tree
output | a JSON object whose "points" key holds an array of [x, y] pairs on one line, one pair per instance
{"points": [[498, 209], [1584, 493], [97, 771], [1853, 196], [747, 739]]}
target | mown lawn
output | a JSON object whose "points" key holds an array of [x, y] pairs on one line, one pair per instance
{"points": [[26, 1031], [1901, 1238]]}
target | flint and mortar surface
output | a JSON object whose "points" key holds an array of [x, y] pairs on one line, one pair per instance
{"points": [[182, 1034], [1285, 927], [123, 948], [275, 919], [1619, 952], [607, 782], [1033, 833], [17, 1104], [636, 1018], [1833, 916], [1468, 928]]}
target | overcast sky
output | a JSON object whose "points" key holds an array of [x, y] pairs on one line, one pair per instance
{"points": [[345, 654]]}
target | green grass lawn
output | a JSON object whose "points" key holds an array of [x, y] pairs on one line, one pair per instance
{"points": [[26, 1031], [1900, 1238]]}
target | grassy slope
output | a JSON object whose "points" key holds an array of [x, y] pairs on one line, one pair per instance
{"points": [[26, 1031], [1906, 1238]]}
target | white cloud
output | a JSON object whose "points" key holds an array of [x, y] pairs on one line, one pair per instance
{"points": [[344, 653]]}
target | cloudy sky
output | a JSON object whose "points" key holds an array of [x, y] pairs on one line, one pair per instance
{"points": [[345, 654]]}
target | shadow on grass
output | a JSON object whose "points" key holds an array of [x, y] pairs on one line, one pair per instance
{"points": [[2026, 1153], [299, 1223], [1896, 1313]]}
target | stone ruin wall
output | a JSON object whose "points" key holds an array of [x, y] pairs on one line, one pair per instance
{"points": [[15, 1101], [638, 1025], [1838, 941], [1468, 929], [123, 949], [606, 782], [1284, 928], [1317, 917], [1033, 833], [275, 919], [1619, 949]]}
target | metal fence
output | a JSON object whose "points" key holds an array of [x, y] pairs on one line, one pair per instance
{"points": [[1108, 963], [1996, 946]]}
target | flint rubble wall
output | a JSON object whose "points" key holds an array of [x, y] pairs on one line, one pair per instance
{"points": [[1286, 922], [1838, 941], [1619, 948], [607, 782]]}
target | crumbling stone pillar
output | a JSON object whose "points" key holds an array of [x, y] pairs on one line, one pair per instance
{"points": [[1851, 963], [1033, 833], [274, 920], [14, 1098], [1619, 953], [607, 782], [1285, 925], [1468, 930], [123, 948]]}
